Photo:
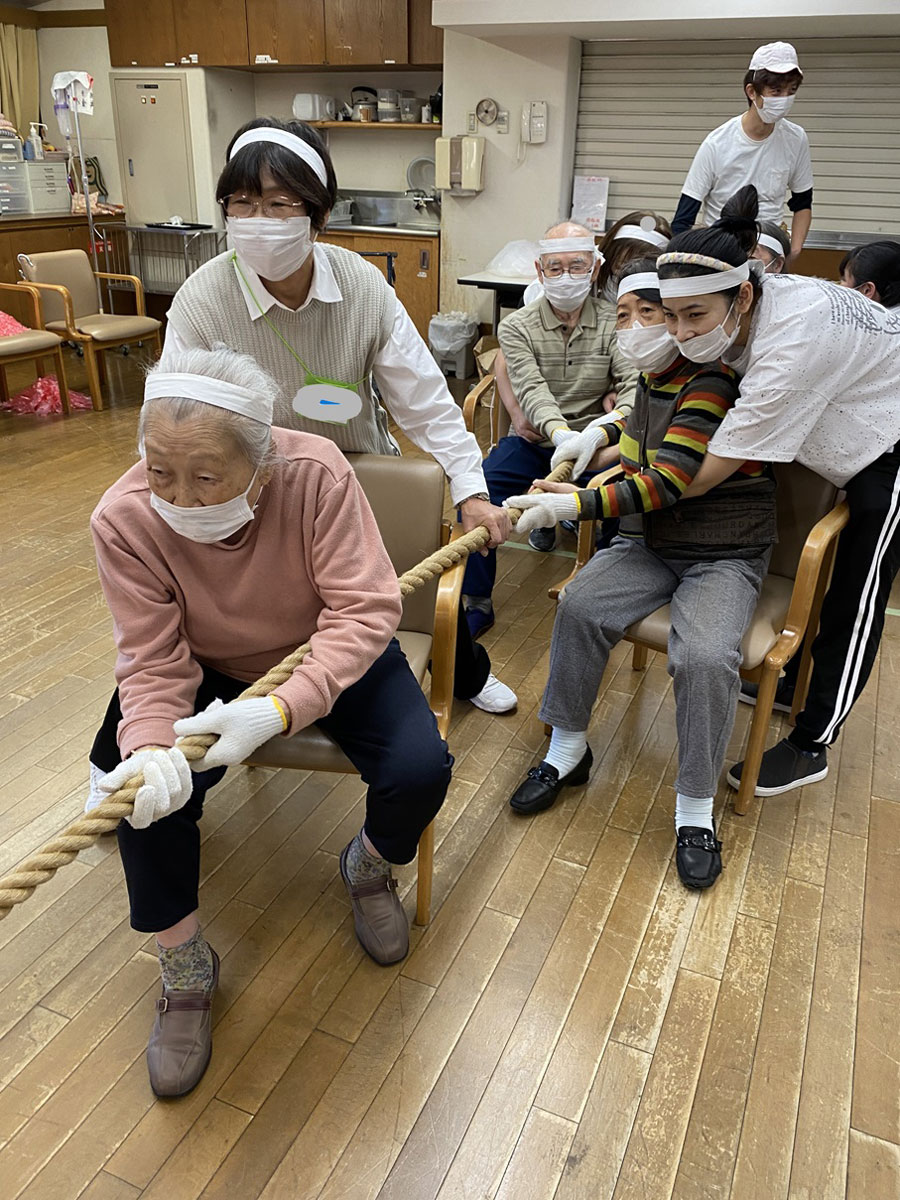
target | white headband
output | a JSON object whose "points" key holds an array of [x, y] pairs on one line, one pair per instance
{"points": [[634, 233], [772, 244], [644, 280], [704, 285], [566, 245], [290, 141], [165, 385]]}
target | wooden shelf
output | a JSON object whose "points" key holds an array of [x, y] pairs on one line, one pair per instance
{"points": [[373, 125]]}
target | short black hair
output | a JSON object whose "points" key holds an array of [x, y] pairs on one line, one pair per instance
{"points": [[243, 172], [637, 266], [878, 263], [730, 240], [762, 79]]}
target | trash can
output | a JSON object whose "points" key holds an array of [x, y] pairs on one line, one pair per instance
{"points": [[451, 338]]}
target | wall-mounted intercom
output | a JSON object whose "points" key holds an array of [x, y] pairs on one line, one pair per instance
{"points": [[534, 121]]}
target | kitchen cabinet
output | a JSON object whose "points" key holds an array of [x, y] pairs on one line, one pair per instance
{"points": [[417, 267], [365, 32], [217, 34], [288, 31], [140, 35], [426, 41]]}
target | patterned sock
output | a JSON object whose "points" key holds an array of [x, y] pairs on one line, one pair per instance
{"points": [[188, 967], [360, 865], [690, 811], [566, 750]]}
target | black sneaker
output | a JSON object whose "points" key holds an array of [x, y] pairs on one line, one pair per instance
{"points": [[784, 695], [698, 856], [543, 539], [542, 785], [784, 768]]}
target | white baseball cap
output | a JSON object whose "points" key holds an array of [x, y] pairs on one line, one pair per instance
{"points": [[779, 57]]}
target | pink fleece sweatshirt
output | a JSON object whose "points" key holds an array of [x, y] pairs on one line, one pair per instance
{"points": [[310, 567]]}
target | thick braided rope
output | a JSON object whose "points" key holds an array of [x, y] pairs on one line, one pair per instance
{"points": [[16, 887]]}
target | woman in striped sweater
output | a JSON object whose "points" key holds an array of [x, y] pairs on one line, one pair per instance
{"points": [[705, 559]]}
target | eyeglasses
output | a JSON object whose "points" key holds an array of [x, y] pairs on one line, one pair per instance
{"points": [[278, 207], [576, 271]]}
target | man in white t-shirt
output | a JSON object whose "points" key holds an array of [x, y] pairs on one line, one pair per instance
{"points": [[759, 147]]}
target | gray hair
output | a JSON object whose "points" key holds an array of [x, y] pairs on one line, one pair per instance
{"points": [[568, 229], [252, 438]]}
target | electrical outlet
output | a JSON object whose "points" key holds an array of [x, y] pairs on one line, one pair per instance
{"points": [[471, 122], [502, 125]]}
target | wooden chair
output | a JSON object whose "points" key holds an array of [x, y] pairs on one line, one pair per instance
{"points": [[809, 524], [407, 498], [34, 345], [69, 293], [485, 395]]}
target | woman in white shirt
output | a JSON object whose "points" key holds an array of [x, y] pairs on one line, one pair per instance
{"points": [[821, 385]]}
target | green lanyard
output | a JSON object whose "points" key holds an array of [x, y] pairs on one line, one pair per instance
{"points": [[310, 377]]}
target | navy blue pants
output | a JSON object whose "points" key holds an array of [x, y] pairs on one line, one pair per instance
{"points": [[509, 470], [384, 726]]}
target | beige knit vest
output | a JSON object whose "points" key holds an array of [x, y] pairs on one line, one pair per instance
{"points": [[337, 341]]}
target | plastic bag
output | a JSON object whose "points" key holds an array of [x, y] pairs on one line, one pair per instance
{"points": [[451, 332], [43, 398], [516, 258]]}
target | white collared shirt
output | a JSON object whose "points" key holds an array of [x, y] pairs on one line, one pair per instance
{"points": [[409, 380]]}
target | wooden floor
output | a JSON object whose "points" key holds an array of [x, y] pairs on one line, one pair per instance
{"points": [[574, 1024]]}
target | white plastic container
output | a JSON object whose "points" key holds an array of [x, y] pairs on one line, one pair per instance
{"points": [[313, 106]]}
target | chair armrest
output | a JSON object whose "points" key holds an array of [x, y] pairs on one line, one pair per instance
{"points": [[37, 316], [68, 310], [443, 650], [812, 558], [474, 398], [587, 530], [134, 281]]}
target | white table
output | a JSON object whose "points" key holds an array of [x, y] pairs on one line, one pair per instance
{"points": [[507, 289]]}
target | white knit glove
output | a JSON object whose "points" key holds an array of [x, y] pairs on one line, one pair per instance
{"points": [[241, 725], [581, 447], [543, 509], [562, 434], [166, 788]]}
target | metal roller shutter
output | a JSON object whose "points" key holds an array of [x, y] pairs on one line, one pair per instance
{"points": [[645, 107]]}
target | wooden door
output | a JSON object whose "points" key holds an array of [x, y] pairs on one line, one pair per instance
{"points": [[216, 35], [288, 31], [365, 32], [426, 41], [140, 35], [417, 268]]}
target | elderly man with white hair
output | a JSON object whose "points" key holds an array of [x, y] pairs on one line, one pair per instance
{"points": [[227, 546], [562, 359]]}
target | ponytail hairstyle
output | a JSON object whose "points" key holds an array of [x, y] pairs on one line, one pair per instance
{"points": [[619, 250], [878, 263], [640, 266], [729, 241]]}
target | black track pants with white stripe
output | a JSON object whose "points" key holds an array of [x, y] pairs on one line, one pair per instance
{"points": [[867, 561]]}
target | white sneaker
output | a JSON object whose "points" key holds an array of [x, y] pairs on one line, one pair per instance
{"points": [[495, 697]]}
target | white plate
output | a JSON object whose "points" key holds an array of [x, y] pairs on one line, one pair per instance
{"points": [[420, 174]]}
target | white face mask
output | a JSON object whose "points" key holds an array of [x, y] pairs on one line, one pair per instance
{"points": [[566, 293], [707, 347], [775, 107], [209, 522], [272, 248], [647, 347]]}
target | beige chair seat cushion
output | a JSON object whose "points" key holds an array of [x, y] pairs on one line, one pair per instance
{"points": [[27, 343], [111, 327], [765, 626], [313, 750]]}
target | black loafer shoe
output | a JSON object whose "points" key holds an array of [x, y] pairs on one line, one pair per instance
{"points": [[784, 768], [542, 785], [698, 856], [543, 539]]}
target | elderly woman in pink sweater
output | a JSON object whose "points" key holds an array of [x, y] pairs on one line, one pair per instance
{"points": [[225, 548]]}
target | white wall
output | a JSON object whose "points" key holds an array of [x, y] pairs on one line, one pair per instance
{"points": [[520, 200], [362, 158]]}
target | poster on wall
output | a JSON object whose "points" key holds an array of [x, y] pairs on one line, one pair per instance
{"points": [[589, 198]]}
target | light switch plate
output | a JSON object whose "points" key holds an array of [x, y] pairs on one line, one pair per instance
{"points": [[471, 122], [502, 125]]}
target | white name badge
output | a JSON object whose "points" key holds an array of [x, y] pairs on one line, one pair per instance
{"points": [[327, 402]]}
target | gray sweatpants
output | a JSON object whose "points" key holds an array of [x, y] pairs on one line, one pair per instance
{"points": [[711, 604]]}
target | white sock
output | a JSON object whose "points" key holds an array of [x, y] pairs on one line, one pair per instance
{"points": [[689, 811], [566, 750]]}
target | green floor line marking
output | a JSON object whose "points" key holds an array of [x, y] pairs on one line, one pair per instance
{"points": [[531, 550], [893, 612]]}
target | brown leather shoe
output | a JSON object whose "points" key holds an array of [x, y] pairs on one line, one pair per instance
{"points": [[381, 924], [181, 1042]]}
